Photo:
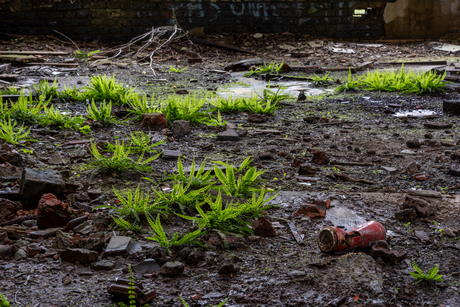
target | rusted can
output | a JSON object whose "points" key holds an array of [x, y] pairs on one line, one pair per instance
{"points": [[333, 239]]}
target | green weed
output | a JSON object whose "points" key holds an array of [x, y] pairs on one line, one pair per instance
{"points": [[257, 106], [56, 118], [11, 134], [196, 178], [159, 235], [321, 81], [101, 88], [48, 91], [102, 114], [273, 67], [119, 162], [180, 196], [244, 185], [26, 109], [420, 276], [215, 122], [187, 107], [177, 70], [226, 105], [141, 105], [140, 143], [3, 301]]}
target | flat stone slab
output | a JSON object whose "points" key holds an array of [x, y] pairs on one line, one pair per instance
{"points": [[35, 183], [229, 135], [104, 264], [438, 125], [148, 266], [120, 245], [171, 154], [45, 233]]}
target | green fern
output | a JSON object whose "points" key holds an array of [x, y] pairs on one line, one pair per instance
{"points": [[231, 219], [26, 109], [102, 114], [3, 301], [49, 91], [421, 276], [140, 106], [140, 142], [119, 161], [188, 107], [180, 196], [124, 224], [159, 235], [53, 116], [218, 305], [12, 134], [242, 186], [101, 88], [196, 178]]}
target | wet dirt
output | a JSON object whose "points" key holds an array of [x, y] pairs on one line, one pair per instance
{"points": [[362, 132]]}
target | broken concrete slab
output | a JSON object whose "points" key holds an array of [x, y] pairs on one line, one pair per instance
{"points": [[120, 245], [180, 128], [228, 135], [79, 255], [148, 266], [438, 125], [35, 183], [45, 233]]}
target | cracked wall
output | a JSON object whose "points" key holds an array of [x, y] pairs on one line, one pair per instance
{"points": [[421, 18]]}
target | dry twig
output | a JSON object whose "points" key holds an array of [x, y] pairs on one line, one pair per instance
{"points": [[152, 38]]}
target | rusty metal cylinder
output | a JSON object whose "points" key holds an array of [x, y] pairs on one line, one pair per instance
{"points": [[333, 239]]}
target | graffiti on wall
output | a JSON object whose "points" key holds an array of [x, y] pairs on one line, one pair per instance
{"points": [[213, 11]]}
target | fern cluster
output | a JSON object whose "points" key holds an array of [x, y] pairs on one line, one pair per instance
{"points": [[421, 276], [399, 80]]}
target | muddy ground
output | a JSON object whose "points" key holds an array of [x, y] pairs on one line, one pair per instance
{"points": [[356, 128]]}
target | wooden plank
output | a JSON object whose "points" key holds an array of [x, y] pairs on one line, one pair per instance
{"points": [[20, 58], [219, 45], [295, 233], [34, 52], [56, 64], [9, 77], [421, 63]]}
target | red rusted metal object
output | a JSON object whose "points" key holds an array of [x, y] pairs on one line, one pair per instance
{"points": [[333, 239]]}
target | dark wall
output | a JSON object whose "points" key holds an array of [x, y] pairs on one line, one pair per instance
{"points": [[115, 20]]}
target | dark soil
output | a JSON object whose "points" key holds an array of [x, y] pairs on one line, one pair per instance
{"points": [[356, 128]]}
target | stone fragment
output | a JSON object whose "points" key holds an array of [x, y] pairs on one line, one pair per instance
{"points": [[171, 269], [310, 210], [171, 154], [448, 232], [425, 193], [419, 177], [154, 121], [423, 208], [244, 64], [20, 255], [413, 143], [103, 265], [451, 107], [263, 227], [180, 128], [438, 125], [382, 249], [79, 255], [7, 209], [11, 156], [75, 222], [228, 267], [265, 156], [35, 183], [120, 245], [453, 172], [9, 171], [228, 135], [320, 157], [421, 235], [406, 215], [56, 159], [4, 238], [94, 193], [8, 250], [195, 256], [54, 213], [412, 168], [307, 170], [34, 249], [257, 118], [148, 266], [45, 233]]}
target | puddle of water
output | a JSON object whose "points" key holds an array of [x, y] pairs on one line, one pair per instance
{"points": [[415, 113], [342, 216], [256, 87]]}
